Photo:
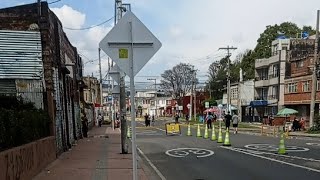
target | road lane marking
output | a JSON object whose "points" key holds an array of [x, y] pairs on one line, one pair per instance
{"points": [[274, 148], [270, 159], [313, 144], [154, 127], [274, 154], [183, 152], [151, 164]]}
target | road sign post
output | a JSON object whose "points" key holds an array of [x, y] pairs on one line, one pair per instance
{"points": [[130, 45]]}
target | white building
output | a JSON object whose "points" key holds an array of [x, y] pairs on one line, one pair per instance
{"points": [[269, 79]]}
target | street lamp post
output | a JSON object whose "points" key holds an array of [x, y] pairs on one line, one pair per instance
{"points": [[155, 93], [190, 110], [220, 109]]}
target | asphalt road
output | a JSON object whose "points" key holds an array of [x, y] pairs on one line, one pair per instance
{"points": [[250, 157]]}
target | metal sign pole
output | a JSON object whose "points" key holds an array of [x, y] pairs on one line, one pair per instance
{"points": [[133, 122]]}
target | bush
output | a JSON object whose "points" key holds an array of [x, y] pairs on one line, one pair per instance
{"points": [[316, 127], [21, 123]]}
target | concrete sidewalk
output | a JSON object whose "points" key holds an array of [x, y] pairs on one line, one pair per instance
{"points": [[95, 158]]}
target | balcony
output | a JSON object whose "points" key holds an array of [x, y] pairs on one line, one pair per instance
{"points": [[266, 61], [261, 98], [261, 82]]}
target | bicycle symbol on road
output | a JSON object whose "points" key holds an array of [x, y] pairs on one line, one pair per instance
{"points": [[183, 152], [274, 148]]}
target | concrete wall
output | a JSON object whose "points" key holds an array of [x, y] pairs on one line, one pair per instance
{"points": [[24, 162]]}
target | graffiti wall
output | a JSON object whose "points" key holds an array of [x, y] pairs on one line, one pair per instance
{"points": [[24, 162]]}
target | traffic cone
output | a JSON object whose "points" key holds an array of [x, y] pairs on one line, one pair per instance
{"points": [[282, 148], [129, 132], [206, 135], [198, 131], [189, 131], [227, 139], [213, 135], [220, 140]]}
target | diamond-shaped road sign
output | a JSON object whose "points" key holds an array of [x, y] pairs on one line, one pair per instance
{"points": [[117, 44], [115, 73]]}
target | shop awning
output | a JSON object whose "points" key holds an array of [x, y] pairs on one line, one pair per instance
{"points": [[258, 103]]}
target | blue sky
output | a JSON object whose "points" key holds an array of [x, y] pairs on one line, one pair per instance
{"points": [[191, 31]]}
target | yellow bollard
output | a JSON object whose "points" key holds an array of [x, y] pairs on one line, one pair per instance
{"points": [[198, 131], [128, 132], [220, 140], [213, 135], [189, 130], [227, 139], [206, 135], [282, 148]]}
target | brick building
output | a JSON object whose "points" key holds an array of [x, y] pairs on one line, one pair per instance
{"points": [[298, 82], [62, 68]]}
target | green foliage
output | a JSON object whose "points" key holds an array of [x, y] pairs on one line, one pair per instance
{"points": [[22, 124], [316, 128], [212, 102]]}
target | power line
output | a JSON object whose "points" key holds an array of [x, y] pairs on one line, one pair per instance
{"points": [[54, 2], [86, 28]]}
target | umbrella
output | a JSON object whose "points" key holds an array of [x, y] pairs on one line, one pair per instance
{"points": [[286, 111], [213, 109]]}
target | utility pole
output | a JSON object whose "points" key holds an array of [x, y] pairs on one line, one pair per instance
{"points": [[195, 96], [314, 74], [101, 103], [228, 75], [123, 109], [155, 93], [191, 95]]}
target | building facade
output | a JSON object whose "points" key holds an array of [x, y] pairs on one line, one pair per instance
{"points": [[269, 79], [54, 63], [298, 84]]}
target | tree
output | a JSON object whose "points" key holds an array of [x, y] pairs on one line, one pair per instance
{"points": [[247, 64], [178, 80]]}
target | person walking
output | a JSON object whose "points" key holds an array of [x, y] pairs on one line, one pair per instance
{"points": [[209, 120], [228, 118], [235, 122], [146, 118], [85, 126], [177, 118]]}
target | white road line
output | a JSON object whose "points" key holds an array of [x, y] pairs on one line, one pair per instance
{"points": [[152, 165], [294, 157], [275, 160], [154, 127]]}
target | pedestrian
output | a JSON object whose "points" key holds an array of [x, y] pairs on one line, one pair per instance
{"points": [[209, 120], [99, 120], [187, 118], [177, 118], [235, 122], [84, 126], [228, 118], [146, 117], [152, 118]]}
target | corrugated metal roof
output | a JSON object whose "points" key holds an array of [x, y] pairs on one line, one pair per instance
{"points": [[20, 55]]}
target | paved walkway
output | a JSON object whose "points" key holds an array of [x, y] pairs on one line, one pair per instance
{"points": [[95, 158]]}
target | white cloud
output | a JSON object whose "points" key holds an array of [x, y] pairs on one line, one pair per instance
{"points": [[86, 41], [70, 18], [190, 30]]}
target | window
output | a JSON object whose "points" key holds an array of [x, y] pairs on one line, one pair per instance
{"points": [[318, 85], [306, 86], [299, 64], [86, 96], [234, 93], [292, 87]]}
